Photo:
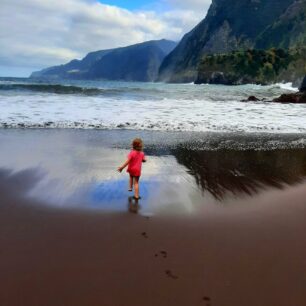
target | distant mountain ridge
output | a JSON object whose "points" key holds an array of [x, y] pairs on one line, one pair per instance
{"points": [[139, 62], [75, 69], [232, 25]]}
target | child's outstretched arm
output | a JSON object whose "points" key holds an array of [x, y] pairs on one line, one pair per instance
{"points": [[124, 165]]}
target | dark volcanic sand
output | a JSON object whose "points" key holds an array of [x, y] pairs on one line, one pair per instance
{"points": [[244, 246]]}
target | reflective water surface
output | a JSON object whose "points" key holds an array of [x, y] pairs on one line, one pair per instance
{"points": [[77, 169]]}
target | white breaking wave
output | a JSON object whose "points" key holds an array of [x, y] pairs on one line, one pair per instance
{"points": [[287, 86]]}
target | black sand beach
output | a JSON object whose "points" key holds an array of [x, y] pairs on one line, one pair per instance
{"points": [[221, 222]]}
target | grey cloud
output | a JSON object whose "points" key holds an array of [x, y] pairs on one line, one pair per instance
{"points": [[194, 5], [42, 33]]}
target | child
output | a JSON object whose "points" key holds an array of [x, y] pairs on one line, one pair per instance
{"points": [[134, 162]]}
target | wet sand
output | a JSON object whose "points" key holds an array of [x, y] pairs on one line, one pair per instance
{"points": [[245, 247]]}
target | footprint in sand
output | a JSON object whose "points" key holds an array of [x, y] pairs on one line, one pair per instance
{"points": [[207, 300], [170, 274], [164, 254], [144, 234]]}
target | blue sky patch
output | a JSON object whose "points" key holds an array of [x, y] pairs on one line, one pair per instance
{"points": [[130, 5]]}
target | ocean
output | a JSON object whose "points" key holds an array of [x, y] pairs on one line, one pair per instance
{"points": [[27, 103]]}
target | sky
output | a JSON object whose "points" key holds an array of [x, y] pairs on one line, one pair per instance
{"points": [[35, 34], [130, 5]]}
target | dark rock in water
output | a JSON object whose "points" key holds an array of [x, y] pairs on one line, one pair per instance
{"points": [[303, 98], [287, 98], [303, 85], [251, 99], [292, 98]]}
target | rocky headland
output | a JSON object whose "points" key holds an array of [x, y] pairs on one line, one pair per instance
{"points": [[253, 66], [247, 29]]}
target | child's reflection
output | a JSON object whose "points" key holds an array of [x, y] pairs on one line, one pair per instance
{"points": [[133, 205]]}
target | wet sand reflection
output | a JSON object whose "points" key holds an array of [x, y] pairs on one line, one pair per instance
{"points": [[78, 170], [242, 172], [133, 205]]}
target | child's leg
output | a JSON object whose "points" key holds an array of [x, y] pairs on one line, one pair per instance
{"points": [[136, 186], [131, 183]]}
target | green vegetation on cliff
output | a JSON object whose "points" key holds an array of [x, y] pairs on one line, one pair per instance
{"points": [[253, 66]]}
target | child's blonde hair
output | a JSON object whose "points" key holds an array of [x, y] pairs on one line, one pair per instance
{"points": [[137, 144]]}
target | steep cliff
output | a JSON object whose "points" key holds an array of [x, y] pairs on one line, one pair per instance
{"points": [[139, 62], [289, 30], [229, 25]]}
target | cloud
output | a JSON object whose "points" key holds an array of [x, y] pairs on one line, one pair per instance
{"points": [[42, 33], [194, 5]]}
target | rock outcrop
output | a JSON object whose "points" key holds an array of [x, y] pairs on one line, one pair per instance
{"points": [[295, 97], [299, 97], [251, 99]]}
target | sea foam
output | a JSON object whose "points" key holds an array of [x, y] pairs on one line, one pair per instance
{"points": [[139, 106]]}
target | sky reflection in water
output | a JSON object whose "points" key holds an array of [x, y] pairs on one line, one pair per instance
{"points": [[80, 172]]}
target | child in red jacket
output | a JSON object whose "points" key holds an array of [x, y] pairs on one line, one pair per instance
{"points": [[134, 162]]}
